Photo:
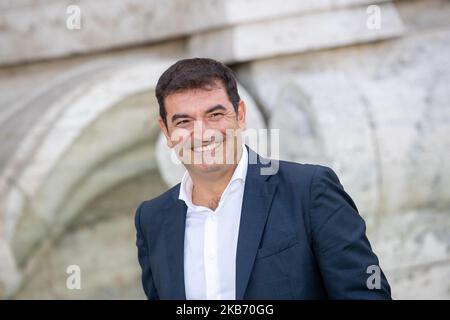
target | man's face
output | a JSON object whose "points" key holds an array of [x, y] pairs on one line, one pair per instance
{"points": [[204, 128]]}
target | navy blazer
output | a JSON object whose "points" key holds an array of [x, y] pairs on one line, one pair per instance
{"points": [[300, 237]]}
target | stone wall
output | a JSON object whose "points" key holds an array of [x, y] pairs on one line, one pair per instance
{"points": [[80, 145]]}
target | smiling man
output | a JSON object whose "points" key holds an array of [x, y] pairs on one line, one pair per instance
{"points": [[227, 231]]}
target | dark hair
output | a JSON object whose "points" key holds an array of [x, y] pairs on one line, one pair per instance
{"points": [[196, 73]]}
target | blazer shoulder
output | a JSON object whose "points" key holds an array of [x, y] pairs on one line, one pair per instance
{"points": [[304, 171], [157, 204]]}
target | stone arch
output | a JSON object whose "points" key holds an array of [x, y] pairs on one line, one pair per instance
{"points": [[321, 130], [95, 230]]}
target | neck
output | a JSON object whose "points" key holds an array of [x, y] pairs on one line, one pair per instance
{"points": [[208, 188]]}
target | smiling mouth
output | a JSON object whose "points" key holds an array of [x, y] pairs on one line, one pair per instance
{"points": [[207, 148]]}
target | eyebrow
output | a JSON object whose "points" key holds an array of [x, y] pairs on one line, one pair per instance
{"points": [[177, 116], [215, 108]]}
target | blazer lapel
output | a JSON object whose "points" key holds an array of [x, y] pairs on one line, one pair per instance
{"points": [[175, 227], [258, 195]]}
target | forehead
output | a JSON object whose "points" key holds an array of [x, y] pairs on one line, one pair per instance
{"points": [[197, 99]]}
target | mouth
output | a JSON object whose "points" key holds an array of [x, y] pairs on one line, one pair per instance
{"points": [[207, 148]]}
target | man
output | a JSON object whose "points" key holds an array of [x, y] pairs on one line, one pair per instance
{"points": [[227, 231]]}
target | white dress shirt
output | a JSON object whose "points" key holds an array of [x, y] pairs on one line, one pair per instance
{"points": [[211, 237]]}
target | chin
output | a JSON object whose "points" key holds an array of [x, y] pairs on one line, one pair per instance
{"points": [[206, 168]]}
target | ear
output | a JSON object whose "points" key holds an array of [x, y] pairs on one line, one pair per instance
{"points": [[242, 110], [164, 130]]}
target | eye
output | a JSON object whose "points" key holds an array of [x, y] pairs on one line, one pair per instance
{"points": [[216, 115], [182, 122]]}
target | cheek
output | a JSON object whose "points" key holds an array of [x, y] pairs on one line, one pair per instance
{"points": [[230, 132], [229, 122], [179, 135]]}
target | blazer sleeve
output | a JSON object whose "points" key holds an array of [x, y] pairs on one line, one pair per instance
{"points": [[343, 252], [147, 279]]}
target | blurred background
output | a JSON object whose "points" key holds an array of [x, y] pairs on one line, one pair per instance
{"points": [[360, 86]]}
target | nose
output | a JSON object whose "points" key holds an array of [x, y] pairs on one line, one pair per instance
{"points": [[203, 134], [197, 133]]}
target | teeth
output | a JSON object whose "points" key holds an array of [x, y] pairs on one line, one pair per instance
{"points": [[209, 147]]}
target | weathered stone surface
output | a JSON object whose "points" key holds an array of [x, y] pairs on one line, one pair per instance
{"points": [[404, 97], [295, 34], [68, 114], [33, 30], [9, 274], [414, 249], [106, 223], [318, 128], [377, 113], [111, 156]]}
